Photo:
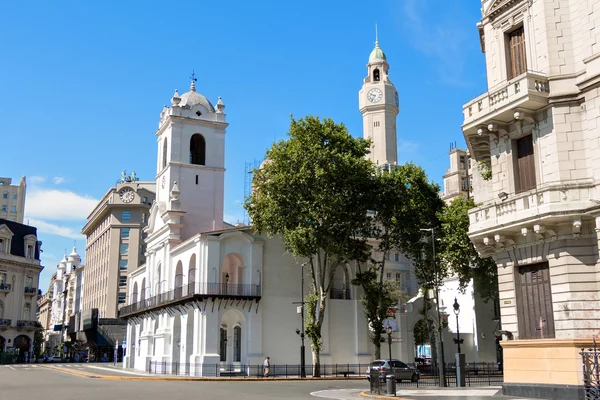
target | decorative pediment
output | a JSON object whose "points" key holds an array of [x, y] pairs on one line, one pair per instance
{"points": [[5, 232], [498, 6]]}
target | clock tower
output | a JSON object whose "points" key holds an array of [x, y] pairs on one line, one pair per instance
{"points": [[379, 104]]}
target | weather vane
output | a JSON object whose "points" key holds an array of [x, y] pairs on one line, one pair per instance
{"points": [[193, 77]]}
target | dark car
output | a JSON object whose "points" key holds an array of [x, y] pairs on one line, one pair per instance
{"points": [[396, 367]]}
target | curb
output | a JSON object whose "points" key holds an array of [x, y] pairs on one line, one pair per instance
{"points": [[184, 379], [376, 396]]}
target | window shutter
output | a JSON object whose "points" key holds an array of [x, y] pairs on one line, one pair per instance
{"points": [[525, 163], [518, 63]]}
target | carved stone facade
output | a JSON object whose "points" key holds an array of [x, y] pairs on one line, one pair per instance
{"points": [[537, 130]]}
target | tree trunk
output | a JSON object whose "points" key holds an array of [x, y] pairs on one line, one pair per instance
{"points": [[377, 350], [316, 362]]}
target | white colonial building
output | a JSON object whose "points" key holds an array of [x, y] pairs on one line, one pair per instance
{"points": [[66, 297]]}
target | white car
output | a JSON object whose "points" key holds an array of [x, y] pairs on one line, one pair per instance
{"points": [[396, 367]]}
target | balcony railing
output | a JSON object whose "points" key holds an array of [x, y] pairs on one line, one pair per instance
{"points": [[30, 291], [4, 287], [196, 290], [531, 87], [28, 324], [5, 323]]}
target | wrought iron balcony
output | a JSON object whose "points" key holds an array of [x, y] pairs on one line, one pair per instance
{"points": [[4, 287], [30, 291], [194, 291], [5, 323], [28, 324]]}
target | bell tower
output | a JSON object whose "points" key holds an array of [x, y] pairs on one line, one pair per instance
{"points": [[379, 104], [191, 158]]}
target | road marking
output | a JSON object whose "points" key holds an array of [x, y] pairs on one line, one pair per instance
{"points": [[116, 370], [8, 366]]}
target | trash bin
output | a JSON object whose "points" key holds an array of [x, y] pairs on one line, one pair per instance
{"points": [[391, 385]]}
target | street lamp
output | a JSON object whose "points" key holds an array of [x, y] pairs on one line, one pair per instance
{"points": [[456, 307], [301, 333], [226, 281], [389, 333], [441, 361]]}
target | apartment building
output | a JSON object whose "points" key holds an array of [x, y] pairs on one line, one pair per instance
{"points": [[12, 200], [20, 269], [533, 138], [115, 243]]}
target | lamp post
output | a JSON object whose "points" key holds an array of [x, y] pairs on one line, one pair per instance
{"points": [[226, 281], [456, 307], [460, 358], [389, 333], [441, 361], [301, 332]]}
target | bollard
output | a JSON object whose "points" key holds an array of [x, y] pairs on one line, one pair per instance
{"points": [[391, 385]]}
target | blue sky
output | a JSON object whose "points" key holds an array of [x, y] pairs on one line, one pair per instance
{"points": [[83, 84]]}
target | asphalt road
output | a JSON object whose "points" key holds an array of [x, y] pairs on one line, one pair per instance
{"points": [[28, 382], [38, 382]]}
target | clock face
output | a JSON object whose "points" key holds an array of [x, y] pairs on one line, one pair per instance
{"points": [[126, 195], [374, 95], [164, 181], [397, 100]]}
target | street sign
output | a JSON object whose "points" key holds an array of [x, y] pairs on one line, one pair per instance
{"points": [[398, 340], [124, 342]]}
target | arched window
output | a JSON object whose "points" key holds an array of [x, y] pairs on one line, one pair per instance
{"points": [[134, 295], [223, 344], [192, 274], [164, 157], [26, 311], [237, 344], [376, 75], [197, 149]]}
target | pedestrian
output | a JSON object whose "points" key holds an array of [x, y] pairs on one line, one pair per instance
{"points": [[267, 366]]}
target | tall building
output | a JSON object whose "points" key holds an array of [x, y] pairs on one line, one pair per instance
{"points": [[20, 269], [44, 314], [456, 180], [114, 246], [63, 296], [534, 141], [12, 202], [379, 104]]}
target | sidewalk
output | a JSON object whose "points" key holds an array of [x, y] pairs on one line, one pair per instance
{"points": [[471, 393]]}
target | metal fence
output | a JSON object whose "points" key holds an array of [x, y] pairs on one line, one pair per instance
{"points": [[591, 372], [477, 374]]}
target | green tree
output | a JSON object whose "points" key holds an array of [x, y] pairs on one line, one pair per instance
{"points": [[38, 338], [459, 253], [402, 201], [313, 190]]}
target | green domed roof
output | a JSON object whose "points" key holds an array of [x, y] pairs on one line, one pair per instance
{"points": [[377, 53]]}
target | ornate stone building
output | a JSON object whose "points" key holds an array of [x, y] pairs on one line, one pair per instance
{"points": [[534, 141], [20, 269]]}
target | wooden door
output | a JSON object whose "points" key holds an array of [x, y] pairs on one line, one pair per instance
{"points": [[534, 302], [525, 164]]}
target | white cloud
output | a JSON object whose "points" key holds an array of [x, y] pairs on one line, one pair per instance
{"points": [[47, 228], [36, 179], [58, 180], [58, 205]]}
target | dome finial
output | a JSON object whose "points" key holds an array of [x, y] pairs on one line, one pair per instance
{"points": [[376, 36], [193, 84]]}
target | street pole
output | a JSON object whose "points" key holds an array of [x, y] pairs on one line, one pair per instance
{"points": [[302, 349], [441, 361], [390, 342], [457, 334]]}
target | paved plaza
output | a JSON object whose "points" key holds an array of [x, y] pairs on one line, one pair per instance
{"points": [[102, 381]]}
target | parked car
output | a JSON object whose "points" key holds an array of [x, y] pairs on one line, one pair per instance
{"points": [[396, 367]]}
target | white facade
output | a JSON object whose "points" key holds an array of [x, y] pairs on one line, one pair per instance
{"points": [[210, 295], [12, 199], [66, 296]]}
